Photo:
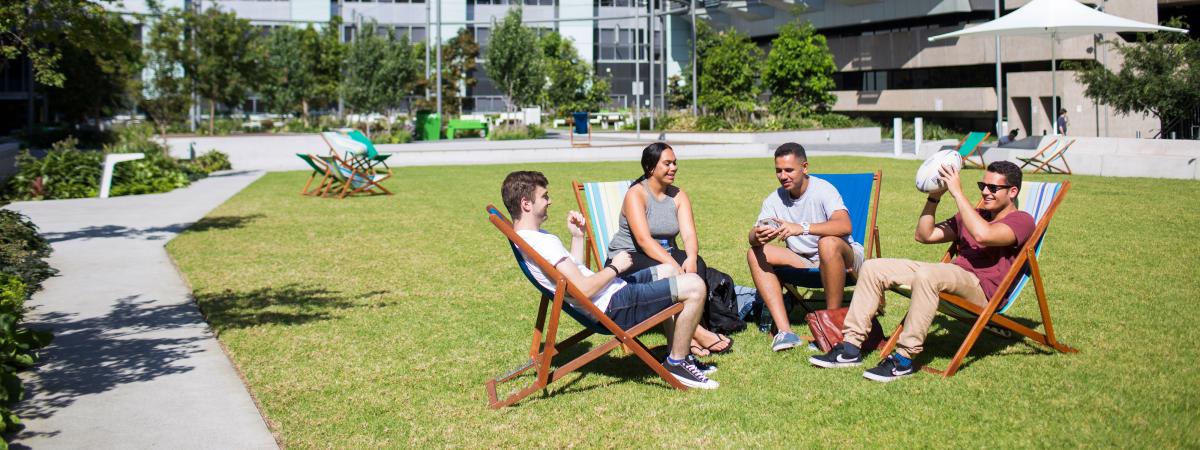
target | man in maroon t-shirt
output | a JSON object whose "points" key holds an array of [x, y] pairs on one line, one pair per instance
{"points": [[989, 239]]}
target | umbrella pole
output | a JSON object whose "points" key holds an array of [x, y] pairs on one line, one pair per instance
{"points": [[1053, 88]]}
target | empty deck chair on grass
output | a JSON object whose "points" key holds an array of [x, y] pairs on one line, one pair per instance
{"points": [[1040, 200], [1058, 151], [321, 169], [350, 164], [371, 157], [970, 145], [546, 345], [860, 194], [601, 204]]}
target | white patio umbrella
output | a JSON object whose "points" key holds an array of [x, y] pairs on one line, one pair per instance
{"points": [[1055, 19]]}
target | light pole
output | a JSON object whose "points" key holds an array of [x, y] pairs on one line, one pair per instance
{"points": [[438, 87], [1000, 103], [695, 63]]}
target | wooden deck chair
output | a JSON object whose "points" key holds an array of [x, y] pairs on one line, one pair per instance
{"points": [[970, 145], [372, 159], [350, 168], [545, 344], [1040, 200], [860, 194], [320, 168], [1046, 163], [601, 204]]}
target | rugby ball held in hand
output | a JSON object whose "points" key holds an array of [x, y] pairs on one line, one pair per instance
{"points": [[928, 179]]}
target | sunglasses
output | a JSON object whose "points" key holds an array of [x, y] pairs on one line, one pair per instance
{"points": [[992, 187]]}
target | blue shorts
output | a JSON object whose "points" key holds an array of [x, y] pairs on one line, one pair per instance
{"points": [[643, 297]]}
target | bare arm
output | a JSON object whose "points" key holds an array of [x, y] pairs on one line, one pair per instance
{"points": [[592, 284], [928, 230], [687, 231], [575, 224], [634, 210], [837, 225]]}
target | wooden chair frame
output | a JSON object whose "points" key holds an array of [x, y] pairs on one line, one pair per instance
{"points": [[545, 345], [871, 248], [360, 168], [327, 178], [977, 151], [1047, 164], [987, 315]]}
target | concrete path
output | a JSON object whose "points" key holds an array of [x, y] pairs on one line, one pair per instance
{"points": [[133, 364]]}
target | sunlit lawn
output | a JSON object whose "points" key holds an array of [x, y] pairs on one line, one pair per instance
{"points": [[374, 322]]}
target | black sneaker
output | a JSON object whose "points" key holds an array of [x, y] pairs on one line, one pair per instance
{"points": [[889, 369], [706, 369], [842, 355], [691, 376]]}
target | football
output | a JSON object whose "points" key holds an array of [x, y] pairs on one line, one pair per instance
{"points": [[928, 179]]}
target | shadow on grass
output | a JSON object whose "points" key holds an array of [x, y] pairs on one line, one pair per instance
{"points": [[152, 233], [291, 304], [134, 342], [947, 335]]}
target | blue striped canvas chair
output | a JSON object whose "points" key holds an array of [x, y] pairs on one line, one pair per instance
{"points": [[1040, 200], [601, 204], [860, 194], [545, 330]]}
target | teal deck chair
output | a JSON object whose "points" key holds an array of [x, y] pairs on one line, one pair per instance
{"points": [[600, 203], [860, 194], [970, 145], [1040, 200], [545, 331], [372, 155], [348, 162], [320, 168]]}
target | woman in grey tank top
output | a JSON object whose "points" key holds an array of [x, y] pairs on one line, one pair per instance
{"points": [[655, 218]]}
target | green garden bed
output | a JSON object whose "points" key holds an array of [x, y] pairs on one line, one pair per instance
{"points": [[374, 322]]}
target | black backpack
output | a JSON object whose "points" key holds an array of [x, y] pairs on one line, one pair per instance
{"points": [[720, 311]]}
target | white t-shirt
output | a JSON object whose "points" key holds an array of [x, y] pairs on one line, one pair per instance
{"points": [[819, 202], [551, 248]]}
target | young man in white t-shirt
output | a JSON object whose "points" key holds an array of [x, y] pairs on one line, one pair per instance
{"points": [[808, 215], [627, 299]]}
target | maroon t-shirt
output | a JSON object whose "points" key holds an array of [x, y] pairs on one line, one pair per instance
{"points": [[990, 264]]}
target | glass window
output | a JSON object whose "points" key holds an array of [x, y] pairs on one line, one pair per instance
{"points": [[418, 34]]}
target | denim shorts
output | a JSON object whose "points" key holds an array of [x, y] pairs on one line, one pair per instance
{"points": [[643, 297]]}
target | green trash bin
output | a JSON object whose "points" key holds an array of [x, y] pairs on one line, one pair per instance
{"points": [[428, 126]]}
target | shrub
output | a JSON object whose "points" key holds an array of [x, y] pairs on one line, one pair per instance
{"points": [[205, 164], [18, 346], [399, 135], [712, 123], [23, 251], [65, 172], [514, 132]]}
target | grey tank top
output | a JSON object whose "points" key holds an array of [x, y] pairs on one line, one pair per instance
{"points": [[661, 218]]}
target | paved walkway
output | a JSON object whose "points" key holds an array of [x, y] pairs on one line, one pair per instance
{"points": [[133, 364]]}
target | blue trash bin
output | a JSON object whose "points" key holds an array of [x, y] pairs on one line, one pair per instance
{"points": [[581, 122]]}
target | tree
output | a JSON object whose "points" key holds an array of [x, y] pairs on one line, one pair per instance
{"points": [[1159, 77], [458, 63], [225, 59], [705, 38], [35, 29], [571, 84], [99, 76], [166, 97], [799, 71], [728, 83], [379, 73], [514, 61], [330, 55], [291, 76]]}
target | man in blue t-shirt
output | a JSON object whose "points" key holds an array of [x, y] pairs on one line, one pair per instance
{"points": [[807, 214]]}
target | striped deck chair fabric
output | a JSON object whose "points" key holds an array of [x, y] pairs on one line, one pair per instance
{"points": [[603, 201]]}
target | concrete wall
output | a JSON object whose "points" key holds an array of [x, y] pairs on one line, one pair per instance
{"points": [[1120, 157], [866, 135], [1029, 108], [917, 100]]}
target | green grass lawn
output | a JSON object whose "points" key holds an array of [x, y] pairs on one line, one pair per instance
{"points": [[374, 322]]}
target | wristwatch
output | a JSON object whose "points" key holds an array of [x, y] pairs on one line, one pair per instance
{"points": [[804, 225]]}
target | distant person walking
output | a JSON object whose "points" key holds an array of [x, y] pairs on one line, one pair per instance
{"points": [[1062, 121]]}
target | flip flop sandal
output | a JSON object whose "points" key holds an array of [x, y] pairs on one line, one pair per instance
{"points": [[721, 338], [699, 350]]}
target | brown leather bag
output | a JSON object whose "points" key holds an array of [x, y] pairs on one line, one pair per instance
{"points": [[826, 327]]}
